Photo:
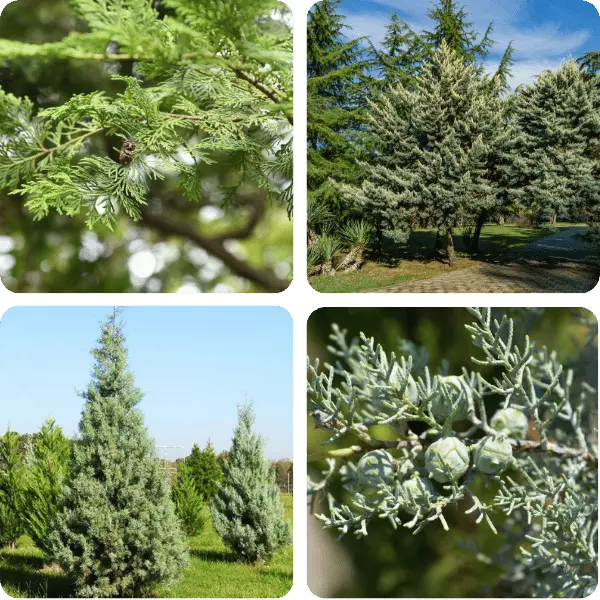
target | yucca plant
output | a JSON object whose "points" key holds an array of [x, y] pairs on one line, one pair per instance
{"points": [[355, 236]]}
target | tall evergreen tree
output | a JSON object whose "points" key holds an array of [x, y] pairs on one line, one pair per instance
{"points": [[189, 505], [553, 158], [12, 489], [403, 54], [247, 511], [434, 143], [454, 28], [48, 466], [205, 470], [116, 533], [338, 86]]}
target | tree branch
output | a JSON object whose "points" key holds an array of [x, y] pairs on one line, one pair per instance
{"points": [[520, 446], [214, 246]]}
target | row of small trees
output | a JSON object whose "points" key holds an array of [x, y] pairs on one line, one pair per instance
{"points": [[102, 506], [418, 135]]}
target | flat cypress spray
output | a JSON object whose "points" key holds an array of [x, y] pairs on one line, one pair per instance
{"points": [[247, 511], [116, 533]]}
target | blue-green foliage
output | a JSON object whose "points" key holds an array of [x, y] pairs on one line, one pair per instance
{"points": [[247, 511], [539, 492], [116, 533]]}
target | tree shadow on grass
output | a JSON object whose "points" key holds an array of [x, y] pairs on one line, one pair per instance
{"points": [[214, 555], [34, 585]]}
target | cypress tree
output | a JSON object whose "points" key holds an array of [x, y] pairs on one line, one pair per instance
{"points": [[12, 489], [434, 144], [48, 466], [247, 511], [188, 501], [116, 533], [338, 87], [205, 470], [554, 149]]}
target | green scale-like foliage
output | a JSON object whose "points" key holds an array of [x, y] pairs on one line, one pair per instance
{"points": [[205, 470], [434, 143], [553, 158], [210, 79], [247, 511], [189, 504], [116, 533], [13, 482], [48, 468]]}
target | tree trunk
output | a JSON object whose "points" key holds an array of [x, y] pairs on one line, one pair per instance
{"points": [[379, 242], [481, 219], [553, 219], [501, 220], [450, 248], [437, 250], [313, 238]]}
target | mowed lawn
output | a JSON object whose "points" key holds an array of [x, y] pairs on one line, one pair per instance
{"points": [[413, 260], [213, 571]]}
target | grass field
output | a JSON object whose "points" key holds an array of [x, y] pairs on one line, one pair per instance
{"points": [[213, 571], [414, 259]]}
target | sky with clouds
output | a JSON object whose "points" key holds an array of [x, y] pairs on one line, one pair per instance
{"points": [[544, 32]]}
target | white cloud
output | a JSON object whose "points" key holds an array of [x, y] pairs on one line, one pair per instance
{"points": [[525, 72]]}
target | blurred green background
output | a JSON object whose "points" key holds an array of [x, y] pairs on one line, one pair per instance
{"points": [[434, 563], [59, 254]]}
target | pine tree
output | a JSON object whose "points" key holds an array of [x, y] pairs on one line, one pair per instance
{"points": [[48, 466], [13, 484], [590, 62], [247, 511], [189, 505], [553, 157], [434, 144], [116, 533], [338, 87], [205, 470]]}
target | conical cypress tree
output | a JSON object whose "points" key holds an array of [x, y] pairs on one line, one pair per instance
{"points": [[247, 511], [13, 485], [48, 464], [189, 504], [116, 533], [553, 156], [434, 144], [205, 470]]}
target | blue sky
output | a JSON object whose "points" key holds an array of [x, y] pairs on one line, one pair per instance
{"points": [[194, 365], [545, 32]]}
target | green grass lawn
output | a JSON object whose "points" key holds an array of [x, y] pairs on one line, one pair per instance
{"points": [[413, 260], [213, 571]]}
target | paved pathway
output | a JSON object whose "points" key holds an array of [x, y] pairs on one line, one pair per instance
{"points": [[560, 263]]}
